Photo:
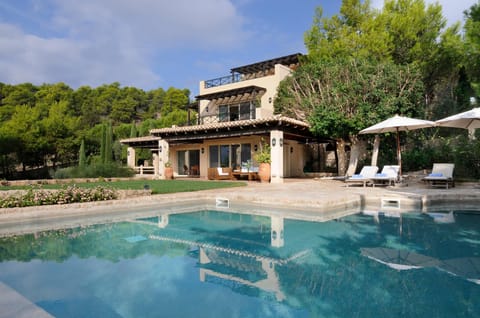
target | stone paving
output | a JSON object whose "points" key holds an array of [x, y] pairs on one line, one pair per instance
{"points": [[316, 195]]}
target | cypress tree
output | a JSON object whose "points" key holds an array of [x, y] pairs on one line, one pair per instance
{"points": [[133, 131], [102, 144], [81, 155], [108, 143]]}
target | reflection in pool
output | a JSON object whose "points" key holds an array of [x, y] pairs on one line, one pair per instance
{"points": [[217, 264]]}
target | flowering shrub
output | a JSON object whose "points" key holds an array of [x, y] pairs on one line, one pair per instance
{"points": [[70, 194]]}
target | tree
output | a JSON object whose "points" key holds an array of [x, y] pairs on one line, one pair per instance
{"points": [[413, 30], [365, 65], [21, 94], [133, 131], [108, 143], [25, 126], [8, 145], [355, 32], [16, 95], [404, 31], [50, 94], [131, 104], [103, 141], [340, 97], [84, 106], [123, 110], [82, 159], [155, 101], [174, 99], [58, 129], [47, 123], [472, 46], [176, 117]]}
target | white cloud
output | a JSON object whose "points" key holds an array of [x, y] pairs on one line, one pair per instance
{"points": [[91, 42], [149, 23], [29, 58]]}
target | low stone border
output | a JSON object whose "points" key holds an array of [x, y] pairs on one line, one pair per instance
{"points": [[65, 181]]}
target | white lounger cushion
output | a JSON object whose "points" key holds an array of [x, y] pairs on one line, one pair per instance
{"points": [[221, 173]]}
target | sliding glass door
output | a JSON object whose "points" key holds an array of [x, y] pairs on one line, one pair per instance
{"points": [[233, 155], [188, 162]]}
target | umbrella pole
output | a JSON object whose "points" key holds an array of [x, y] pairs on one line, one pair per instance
{"points": [[399, 155]]}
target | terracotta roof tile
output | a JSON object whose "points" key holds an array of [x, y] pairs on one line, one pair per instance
{"points": [[141, 139], [231, 124]]}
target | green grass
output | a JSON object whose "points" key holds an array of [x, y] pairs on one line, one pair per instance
{"points": [[157, 186]]}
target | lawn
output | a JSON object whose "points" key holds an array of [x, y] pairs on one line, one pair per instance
{"points": [[157, 186]]}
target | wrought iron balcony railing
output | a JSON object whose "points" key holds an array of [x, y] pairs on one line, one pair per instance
{"points": [[237, 77], [229, 79]]}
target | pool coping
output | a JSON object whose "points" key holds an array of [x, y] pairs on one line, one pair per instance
{"points": [[313, 200]]}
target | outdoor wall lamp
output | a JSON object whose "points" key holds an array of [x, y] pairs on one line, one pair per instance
{"points": [[281, 142], [270, 100], [206, 109], [274, 142], [159, 148], [255, 148], [203, 150], [291, 149]]}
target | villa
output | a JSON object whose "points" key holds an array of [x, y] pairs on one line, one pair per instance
{"points": [[235, 116]]}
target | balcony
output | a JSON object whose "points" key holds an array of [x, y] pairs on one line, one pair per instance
{"points": [[237, 77], [225, 80], [255, 70]]}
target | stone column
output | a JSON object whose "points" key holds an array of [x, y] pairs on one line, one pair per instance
{"points": [[131, 157], [376, 148], [277, 239], [276, 151], [156, 164], [163, 154], [163, 221]]}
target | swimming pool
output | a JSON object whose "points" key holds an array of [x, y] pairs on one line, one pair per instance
{"points": [[218, 264]]}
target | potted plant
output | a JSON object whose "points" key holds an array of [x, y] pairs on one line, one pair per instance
{"points": [[264, 159], [168, 172]]}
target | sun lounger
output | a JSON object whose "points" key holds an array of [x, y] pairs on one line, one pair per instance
{"points": [[365, 176], [388, 176], [220, 174], [441, 176]]}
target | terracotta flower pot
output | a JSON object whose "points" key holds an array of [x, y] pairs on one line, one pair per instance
{"points": [[168, 173], [264, 172]]}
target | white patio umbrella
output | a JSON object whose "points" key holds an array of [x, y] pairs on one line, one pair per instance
{"points": [[395, 124], [399, 259], [467, 120]]}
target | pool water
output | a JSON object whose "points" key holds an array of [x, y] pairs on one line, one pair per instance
{"points": [[217, 264]]}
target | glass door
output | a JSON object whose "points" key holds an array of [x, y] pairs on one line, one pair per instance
{"points": [[188, 163], [194, 163]]}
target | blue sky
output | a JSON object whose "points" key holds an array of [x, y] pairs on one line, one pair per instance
{"points": [[153, 43]]}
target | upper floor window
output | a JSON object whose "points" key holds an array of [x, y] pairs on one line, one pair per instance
{"points": [[242, 111]]}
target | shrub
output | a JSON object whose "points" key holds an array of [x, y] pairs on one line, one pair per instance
{"points": [[107, 170], [70, 194], [263, 154], [460, 150]]}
